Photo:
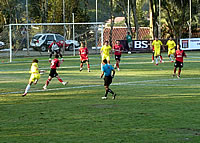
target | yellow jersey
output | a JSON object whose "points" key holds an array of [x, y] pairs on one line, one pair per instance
{"points": [[171, 44], [34, 68], [156, 44], [106, 50]]}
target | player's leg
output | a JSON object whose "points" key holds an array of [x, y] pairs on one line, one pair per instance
{"points": [[47, 82], [31, 80], [174, 72], [153, 56], [88, 65], [106, 87], [179, 72], [60, 80], [117, 62], [109, 90], [161, 58], [37, 77], [175, 67], [108, 59], [58, 52], [81, 66]]}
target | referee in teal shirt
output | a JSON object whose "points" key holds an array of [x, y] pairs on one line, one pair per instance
{"points": [[108, 72]]}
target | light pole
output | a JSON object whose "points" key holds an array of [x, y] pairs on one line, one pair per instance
{"points": [[96, 29], [27, 34], [73, 34], [159, 27], [64, 25], [190, 32], [96, 10], [128, 14]]}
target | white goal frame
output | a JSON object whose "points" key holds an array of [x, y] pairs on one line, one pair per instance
{"points": [[53, 24]]}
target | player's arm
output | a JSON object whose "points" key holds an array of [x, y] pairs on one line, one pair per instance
{"points": [[102, 74], [58, 64], [87, 52], [50, 46], [80, 53], [113, 73], [174, 46]]}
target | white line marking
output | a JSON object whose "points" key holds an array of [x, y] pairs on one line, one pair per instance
{"points": [[114, 84]]}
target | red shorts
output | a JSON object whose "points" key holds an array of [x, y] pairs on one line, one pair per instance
{"points": [[84, 58]]}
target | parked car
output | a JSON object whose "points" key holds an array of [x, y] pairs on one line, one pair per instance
{"points": [[2, 44], [42, 41]]}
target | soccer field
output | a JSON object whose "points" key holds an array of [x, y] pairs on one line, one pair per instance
{"points": [[151, 106]]}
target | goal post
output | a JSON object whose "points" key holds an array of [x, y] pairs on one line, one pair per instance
{"points": [[75, 32]]}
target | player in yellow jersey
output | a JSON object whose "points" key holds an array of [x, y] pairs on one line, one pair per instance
{"points": [[171, 48], [35, 76], [105, 52], [157, 44]]}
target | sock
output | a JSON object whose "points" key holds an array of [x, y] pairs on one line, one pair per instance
{"points": [[50, 56], [106, 93], [117, 64], [109, 90], [174, 70], [156, 60], [179, 72], [27, 88], [160, 57], [152, 58], [47, 82], [60, 80], [88, 66]]}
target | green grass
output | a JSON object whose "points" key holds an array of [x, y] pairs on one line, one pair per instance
{"points": [[150, 107]]}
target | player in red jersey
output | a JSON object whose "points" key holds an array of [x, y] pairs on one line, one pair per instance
{"points": [[54, 47], [54, 64], [83, 53], [118, 51], [179, 60]]}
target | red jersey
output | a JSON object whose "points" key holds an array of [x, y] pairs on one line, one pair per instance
{"points": [[54, 46], [118, 49], [55, 63], [83, 52], [179, 55]]}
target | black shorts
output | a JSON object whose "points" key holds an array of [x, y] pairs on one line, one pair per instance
{"points": [[107, 80], [178, 64], [117, 57], [84, 61], [57, 51], [53, 73]]}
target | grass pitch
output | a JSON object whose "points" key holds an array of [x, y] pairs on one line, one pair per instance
{"points": [[151, 105]]}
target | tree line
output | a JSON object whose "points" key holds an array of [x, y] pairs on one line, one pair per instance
{"points": [[175, 14]]}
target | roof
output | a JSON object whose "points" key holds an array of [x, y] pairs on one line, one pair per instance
{"points": [[119, 33]]}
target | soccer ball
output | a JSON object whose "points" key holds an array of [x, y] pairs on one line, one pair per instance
{"points": [[42, 71], [129, 52]]}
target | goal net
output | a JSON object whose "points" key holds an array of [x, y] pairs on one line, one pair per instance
{"points": [[33, 39]]}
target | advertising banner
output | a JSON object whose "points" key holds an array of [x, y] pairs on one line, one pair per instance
{"points": [[190, 44]]}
